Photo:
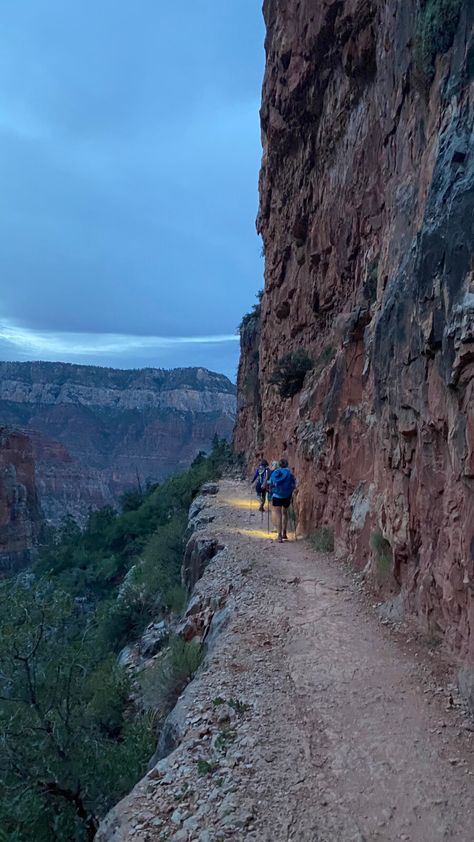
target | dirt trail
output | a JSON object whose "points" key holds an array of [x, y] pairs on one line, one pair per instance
{"points": [[349, 735]]}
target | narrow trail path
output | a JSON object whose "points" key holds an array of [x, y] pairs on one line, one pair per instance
{"points": [[350, 718], [349, 734]]}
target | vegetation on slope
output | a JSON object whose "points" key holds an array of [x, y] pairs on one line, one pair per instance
{"points": [[290, 372], [254, 314], [71, 745], [436, 25]]}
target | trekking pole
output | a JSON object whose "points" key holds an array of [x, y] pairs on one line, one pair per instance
{"points": [[268, 516], [294, 519]]}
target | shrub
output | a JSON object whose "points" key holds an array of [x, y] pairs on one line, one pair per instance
{"points": [[239, 706], [163, 684], [131, 500], [289, 373], [436, 24], [382, 551], [254, 313], [205, 768], [68, 749], [322, 539]]}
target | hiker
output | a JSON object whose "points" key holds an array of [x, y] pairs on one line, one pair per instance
{"points": [[282, 485], [274, 465], [261, 477]]}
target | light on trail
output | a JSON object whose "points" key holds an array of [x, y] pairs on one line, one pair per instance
{"points": [[241, 503]]}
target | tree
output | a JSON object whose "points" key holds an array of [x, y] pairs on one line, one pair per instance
{"points": [[67, 751]]}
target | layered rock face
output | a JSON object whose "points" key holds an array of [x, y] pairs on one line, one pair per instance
{"points": [[20, 517], [366, 214], [97, 432]]}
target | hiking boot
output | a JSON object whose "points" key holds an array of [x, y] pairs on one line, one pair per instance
{"points": [[284, 536], [280, 539], [261, 507]]}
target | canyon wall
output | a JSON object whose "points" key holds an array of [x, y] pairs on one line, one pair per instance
{"points": [[20, 516], [366, 216], [97, 432]]}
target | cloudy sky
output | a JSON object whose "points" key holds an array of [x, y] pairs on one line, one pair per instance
{"points": [[129, 155]]}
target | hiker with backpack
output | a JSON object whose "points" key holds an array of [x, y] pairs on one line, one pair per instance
{"points": [[274, 465], [260, 478], [282, 484]]}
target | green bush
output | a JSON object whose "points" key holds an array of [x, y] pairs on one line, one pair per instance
{"points": [[254, 313], [322, 539], [436, 24], [68, 750], [382, 551], [289, 373], [163, 683]]}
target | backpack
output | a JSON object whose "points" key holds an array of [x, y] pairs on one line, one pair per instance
{"points": [[283, 482]]}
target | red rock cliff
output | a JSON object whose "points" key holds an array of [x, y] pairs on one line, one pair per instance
{"points": [[19, 511], [366, 215]]}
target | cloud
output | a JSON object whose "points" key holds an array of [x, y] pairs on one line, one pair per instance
{"points": [[27, 342], [129, 155]]}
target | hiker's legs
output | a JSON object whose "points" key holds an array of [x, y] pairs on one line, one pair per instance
{"points": [[278, 510], [284, 512], [274, 518], [260, 495]]}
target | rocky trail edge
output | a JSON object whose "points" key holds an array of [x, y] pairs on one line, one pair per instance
{"points": [[310, 719]]}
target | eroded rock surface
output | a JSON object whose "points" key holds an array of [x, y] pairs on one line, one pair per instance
{"points": [[366, 215], [20, 516]]}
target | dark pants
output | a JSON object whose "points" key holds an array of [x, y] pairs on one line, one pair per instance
{"points": [[261, 493]]}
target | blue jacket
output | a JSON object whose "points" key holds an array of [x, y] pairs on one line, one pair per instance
{"points": [[282, 483]]}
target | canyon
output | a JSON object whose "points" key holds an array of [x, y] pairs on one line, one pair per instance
{"points": [[335, 696], [366, 217], [95, 432]]}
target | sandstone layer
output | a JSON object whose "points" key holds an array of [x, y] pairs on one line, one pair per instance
{"points": [[20, 516], [366, 215], [97, 432]]}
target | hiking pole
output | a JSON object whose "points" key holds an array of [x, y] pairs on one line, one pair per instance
{"points": [[294, 518], [268, 516]]}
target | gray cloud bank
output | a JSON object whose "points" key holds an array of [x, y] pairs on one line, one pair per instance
{"points": [[129, 152]]}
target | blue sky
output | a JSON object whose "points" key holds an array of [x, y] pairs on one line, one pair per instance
{"points": [[129, 155]]}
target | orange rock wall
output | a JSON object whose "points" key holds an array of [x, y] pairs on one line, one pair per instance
{"points": [[19, 510], [366, 215]]}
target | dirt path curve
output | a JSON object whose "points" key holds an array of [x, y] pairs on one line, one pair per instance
{"points": [[348, 736]]}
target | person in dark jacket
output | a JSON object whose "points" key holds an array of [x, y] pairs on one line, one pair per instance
{"points": [[260, 477], [282, 484]]}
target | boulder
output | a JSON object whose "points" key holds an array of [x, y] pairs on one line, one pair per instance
{"points": [[153, 639]]}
